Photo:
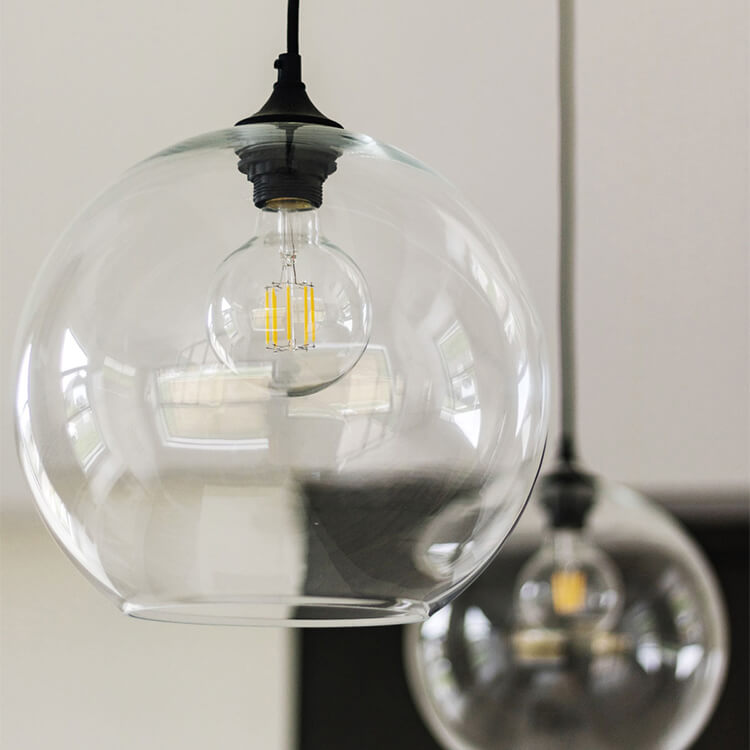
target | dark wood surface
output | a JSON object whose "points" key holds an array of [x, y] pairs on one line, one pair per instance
{"points": [[354, 693]]}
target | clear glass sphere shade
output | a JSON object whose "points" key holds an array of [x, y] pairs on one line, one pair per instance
{"points": [[205, 478], [483, 677]]}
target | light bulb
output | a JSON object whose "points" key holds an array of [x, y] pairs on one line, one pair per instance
{"points": [[569, 583], [288, 307]]}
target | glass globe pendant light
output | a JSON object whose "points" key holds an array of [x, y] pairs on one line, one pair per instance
{"points": [[610, 634], [280, 373], [610, 637]]}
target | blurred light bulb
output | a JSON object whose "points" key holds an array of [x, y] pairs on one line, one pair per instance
{"points": [[568, 584], [288, 307]]}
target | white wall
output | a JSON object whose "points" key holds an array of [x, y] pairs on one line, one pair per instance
{"points": [[89, 87], [76, 674], [664, 241]]}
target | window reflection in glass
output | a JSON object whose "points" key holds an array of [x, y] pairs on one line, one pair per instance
{"points": [[81, 426], [461, 405]]}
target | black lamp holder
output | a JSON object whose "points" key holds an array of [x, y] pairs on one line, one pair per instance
{"points": [[292, 170], [567, 494]]}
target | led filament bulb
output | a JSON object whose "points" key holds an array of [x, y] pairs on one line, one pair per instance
{"points": [[288, 309], [288, 316], [569, 583]]}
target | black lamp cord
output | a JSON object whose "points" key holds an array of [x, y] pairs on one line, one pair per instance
{"points": [[292, 27], [289, 101], [568, 451], [289, 63], [567, 493], [292, 50]]}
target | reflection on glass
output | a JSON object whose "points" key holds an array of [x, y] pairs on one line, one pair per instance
{"points": [[81, 426], [60, 522], [461, 405], [187, 405], [59, 518], [368, 389], [188, 396]]}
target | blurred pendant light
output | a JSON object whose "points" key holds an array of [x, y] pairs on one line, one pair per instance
{"points": [[611, 634], [256, 403]]}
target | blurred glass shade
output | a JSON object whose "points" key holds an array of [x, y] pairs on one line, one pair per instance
{"points": [[191, 490], [484, 677]]}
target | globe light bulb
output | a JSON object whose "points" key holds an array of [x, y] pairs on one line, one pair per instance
{"points": [[288, 306], [569, 583]]}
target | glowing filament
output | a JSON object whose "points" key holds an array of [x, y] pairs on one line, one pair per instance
{"points": [[568, 591], [312, 313], [296, 316], [268, 319], [307, 307], [289, 314], [275, 326]]}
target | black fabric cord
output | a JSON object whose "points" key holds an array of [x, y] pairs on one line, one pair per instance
{"points": [[567, 448], [292, 27]]}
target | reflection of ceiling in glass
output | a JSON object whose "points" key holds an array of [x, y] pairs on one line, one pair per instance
{"points": [[458, 361], [206, 405], [209, 405], [85, 438], [523, 417], [367, 389], [56, 515], [487, 280], [72, 356], [81, 426], [461, 404]]}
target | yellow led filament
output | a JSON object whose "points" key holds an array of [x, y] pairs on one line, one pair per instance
{"points": [[307, 307], [268, 317], [288, 314], [283, 325], [568, 591]]}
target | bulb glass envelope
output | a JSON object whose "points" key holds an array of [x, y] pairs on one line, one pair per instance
{"points": [[485, 675], [309, 326], [188, 490]]}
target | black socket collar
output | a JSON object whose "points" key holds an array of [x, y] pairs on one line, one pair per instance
{"points": [[567, 495], [290, 170]]}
